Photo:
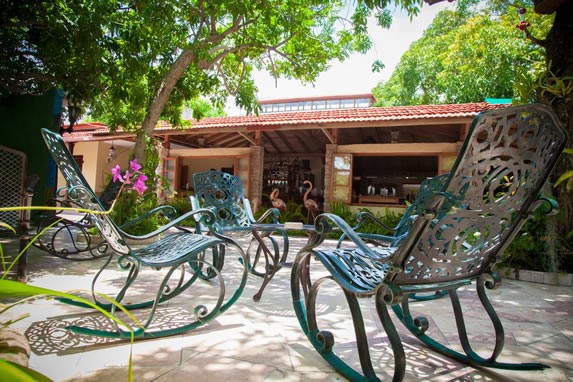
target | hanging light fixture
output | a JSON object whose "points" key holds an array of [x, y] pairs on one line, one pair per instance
{"points": [[201, 140], [111, 153]]}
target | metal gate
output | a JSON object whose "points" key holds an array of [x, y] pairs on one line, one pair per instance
{"points": [[12, 194], [12, 176]]}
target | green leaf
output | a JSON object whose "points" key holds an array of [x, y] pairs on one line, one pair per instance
{"points": [[17, 373], [568, 175]]}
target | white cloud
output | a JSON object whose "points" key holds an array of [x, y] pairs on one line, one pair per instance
{"points": [[354, 75]]}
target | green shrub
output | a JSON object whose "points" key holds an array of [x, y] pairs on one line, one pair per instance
{"points": [[183, 205], [130, 205], [390, 218], [342, 210], [528, 249]]}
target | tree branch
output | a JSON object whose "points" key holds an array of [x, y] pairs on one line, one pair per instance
{"points": [[533, 39]]}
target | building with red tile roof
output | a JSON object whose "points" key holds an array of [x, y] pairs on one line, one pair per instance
{"points": [[388, 148]]}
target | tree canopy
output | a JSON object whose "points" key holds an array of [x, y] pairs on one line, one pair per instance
{"points": [[466, 55], [132, 63]]}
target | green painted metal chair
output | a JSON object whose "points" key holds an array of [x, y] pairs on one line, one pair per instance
{"points": [[184, 256], [494, 187], [71, 236], [428, 188], [223, 193]]}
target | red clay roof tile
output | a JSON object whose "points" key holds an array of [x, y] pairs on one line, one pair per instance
{"points": [[369, 114]]}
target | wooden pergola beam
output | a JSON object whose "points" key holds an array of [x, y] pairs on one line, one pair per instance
{"points": [[328, 135], [248, 138]]}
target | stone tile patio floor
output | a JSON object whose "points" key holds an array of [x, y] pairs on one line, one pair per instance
{"points": [[263, 341]]}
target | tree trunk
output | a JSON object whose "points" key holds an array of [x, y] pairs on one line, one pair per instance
{"points": [[559, 48], [160, 100]]}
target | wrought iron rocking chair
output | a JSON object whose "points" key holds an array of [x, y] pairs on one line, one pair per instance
{"points": [[492, 190], [223, 193], [181, 251], [71, 236], [428, 188]]}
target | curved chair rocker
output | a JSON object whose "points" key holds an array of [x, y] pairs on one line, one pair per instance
{"points": [[428, 188], [493, 189], [223, 193], [175, 252]]}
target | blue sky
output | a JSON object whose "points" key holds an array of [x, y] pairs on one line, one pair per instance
{"points": [[354, 75]]}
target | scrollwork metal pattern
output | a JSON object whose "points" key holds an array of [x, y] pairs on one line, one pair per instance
{"points": [[80, 192], [224, 192], [497, 176]]}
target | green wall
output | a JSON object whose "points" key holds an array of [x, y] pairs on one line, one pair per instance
{"points": [[23, 117]]}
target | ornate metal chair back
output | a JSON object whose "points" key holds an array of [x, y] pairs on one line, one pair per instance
{"points": [[80, 191], [498, 175], [222, 192]]}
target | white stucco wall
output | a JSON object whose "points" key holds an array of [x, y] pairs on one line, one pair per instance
{"points": [[96, 168]]}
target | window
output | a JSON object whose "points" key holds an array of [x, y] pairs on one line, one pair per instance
{"points": [[392, 175], [342, 177], [333, 104], [169, 172]]}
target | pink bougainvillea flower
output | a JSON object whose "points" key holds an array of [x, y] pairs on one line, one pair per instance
{"points": [[136, 167], [139, 184], [134, 179], [127, 177], [116, 171]]}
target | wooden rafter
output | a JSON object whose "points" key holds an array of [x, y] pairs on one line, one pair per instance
{"points": [[248, 138], [328, 135], [272, 143], [225, 138], [303, 143], [285, 141]]}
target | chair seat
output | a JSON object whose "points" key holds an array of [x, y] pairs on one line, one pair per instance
{"points": [[354, 271], [175, 249]]}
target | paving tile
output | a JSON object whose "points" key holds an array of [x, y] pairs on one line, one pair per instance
{"points": [[262, 341]]}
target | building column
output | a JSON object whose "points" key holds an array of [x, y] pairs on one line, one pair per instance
{"points": [[256, 167], [328, 166]]}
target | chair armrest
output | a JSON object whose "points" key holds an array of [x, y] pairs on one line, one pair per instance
{"points": [[327, 222], [168, 211], [194, 202], [67, 216], [272, 213], [194, 207], [366, 216], [203, 215]]}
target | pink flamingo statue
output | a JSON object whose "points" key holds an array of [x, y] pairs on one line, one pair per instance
{"points": [[276, 202], [310, 205]]}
